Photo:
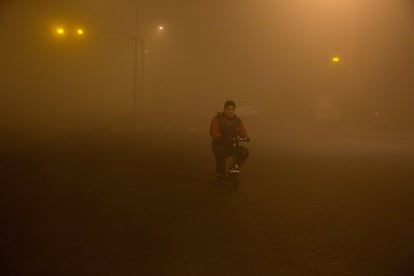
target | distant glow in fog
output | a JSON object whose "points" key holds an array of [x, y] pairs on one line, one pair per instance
{"points": [[60, 31], [80, 32], [336, 59]]}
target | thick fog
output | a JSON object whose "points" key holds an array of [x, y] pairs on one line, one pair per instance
{"points": [[272, 57], [106, 162]]}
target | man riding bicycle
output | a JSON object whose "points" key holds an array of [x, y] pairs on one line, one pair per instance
{"points": [[224, 128]]}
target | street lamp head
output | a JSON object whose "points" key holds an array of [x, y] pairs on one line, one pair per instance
{"points": [[60, 31], [80, 32], [336, 59]]}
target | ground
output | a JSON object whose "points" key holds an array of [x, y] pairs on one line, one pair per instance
{"points": [[324, 202]]}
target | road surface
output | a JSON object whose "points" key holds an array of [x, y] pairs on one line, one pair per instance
{"points": [[317, 203]]}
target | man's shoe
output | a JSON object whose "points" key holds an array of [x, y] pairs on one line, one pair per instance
{"points": [[234, 170]]}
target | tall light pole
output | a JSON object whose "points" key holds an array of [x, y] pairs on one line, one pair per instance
{"points": [[139, 49], [160, 30], [139, 43], [351, 85]]}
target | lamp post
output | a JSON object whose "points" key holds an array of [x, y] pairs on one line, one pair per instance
{"points": [[138, 43], [139, 49]]}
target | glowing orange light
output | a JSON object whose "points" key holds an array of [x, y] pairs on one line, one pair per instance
{"points": [[60, 31], [336, 59]]}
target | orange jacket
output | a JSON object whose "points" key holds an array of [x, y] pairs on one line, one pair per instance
{"points": [[216, 132]]}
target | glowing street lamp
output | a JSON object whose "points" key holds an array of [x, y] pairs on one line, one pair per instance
{"points": [[60, 31], [80, 32], [335, 59], [139, 47]]}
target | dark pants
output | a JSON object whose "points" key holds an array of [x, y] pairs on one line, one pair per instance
{"points": [[221, 152]]}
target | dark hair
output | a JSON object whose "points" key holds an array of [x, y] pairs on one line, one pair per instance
{"points": [[227, 103]]}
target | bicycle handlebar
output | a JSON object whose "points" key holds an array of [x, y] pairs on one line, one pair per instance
{"points": [[241, 139]]}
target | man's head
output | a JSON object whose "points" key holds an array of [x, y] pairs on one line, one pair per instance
{"points": [[229, 109]]}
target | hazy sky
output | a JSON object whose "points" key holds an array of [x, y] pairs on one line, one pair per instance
{"points": [[276, 53]]}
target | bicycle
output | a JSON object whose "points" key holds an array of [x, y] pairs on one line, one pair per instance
{"points": [[233, 168]]}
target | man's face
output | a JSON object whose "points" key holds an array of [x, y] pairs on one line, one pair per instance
{"points": [[229, 111]]}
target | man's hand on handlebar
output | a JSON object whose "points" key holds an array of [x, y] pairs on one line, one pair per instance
{"points": [[226, 139], [244, 139]]}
